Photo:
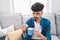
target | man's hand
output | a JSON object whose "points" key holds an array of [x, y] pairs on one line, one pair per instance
{"points": [[38, 34], [44, 38], [23, 27]]}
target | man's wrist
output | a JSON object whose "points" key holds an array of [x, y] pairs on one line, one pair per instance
{"points": [[21, 29], [43, 38], [26, 25]]}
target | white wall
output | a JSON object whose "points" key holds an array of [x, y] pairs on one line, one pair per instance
{"points": [[22, 6], [54, 6], [5, 6], [8, 6]]}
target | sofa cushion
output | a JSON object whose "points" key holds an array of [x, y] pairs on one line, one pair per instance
{"points": [[8, 19], [5, 30], [50, 16], [1, 33], [8, 29]]}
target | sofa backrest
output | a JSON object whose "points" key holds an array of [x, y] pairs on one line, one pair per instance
{"points": [[25, 18], [58, 23], [7, 19], [50, 16]]}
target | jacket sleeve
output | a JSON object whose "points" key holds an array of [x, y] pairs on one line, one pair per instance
{"points": [[48, 29], [27, 22]]}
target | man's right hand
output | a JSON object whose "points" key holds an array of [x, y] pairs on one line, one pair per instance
{"points": [[23, 27], [38, 34]]}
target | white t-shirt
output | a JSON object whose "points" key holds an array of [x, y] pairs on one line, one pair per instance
{"points": [[37, 28]]}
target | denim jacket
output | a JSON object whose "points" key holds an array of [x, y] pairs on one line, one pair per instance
{"points": [[45, 25]]}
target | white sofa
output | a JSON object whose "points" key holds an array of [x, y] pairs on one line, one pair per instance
{"points": [[7, 19]]}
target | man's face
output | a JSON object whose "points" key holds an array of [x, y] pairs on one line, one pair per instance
{"points": [[37, 15]]}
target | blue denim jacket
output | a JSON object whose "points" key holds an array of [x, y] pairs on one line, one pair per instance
{"points": [[45, 25]]}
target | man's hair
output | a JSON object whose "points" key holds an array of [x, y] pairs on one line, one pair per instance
{"points": [[37, 7]]}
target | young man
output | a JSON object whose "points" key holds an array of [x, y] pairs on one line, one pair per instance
{"points": [[41, 25]]}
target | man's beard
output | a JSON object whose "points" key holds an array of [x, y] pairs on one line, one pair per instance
{"points": [[35, 18]]}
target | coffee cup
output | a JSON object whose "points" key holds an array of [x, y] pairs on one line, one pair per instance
{"points": [[30, 31]]}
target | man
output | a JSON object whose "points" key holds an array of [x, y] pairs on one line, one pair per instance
{"points": [[41, 25]]}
